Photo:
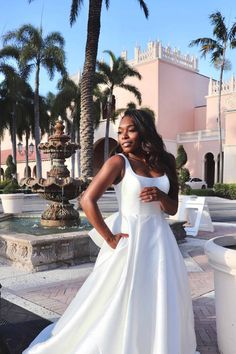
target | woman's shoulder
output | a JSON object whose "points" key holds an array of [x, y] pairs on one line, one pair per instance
{"points": [[117, 161]]}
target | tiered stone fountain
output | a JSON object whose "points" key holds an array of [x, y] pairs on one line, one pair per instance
{"points": [[52, 250], [58, 187]]}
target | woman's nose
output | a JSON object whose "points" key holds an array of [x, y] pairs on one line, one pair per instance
{"points": [[125, 135]]}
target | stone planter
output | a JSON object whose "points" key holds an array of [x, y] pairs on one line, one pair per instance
{"points": [[12, 203], [223, 261]]}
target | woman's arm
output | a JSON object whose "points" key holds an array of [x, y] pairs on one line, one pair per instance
{"points": [[110, 172]]}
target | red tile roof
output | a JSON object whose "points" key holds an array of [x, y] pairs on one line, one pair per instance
{"points": [[20, 157]]}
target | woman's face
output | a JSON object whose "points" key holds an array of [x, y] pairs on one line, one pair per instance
{"points": [[128, 136]]}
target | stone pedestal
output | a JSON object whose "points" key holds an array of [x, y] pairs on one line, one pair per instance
{"points": [[36, 253]]}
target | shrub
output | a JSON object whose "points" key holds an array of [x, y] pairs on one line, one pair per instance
{"points": [[183, 175], [201, 192], [11, 168], [182, 172], [3, 184], [11, 187], [181, 158], [225, 190]]}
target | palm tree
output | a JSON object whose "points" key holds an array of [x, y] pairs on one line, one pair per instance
{"points": [[87, 82], [36, 51], [67, 105], [93, 32], [13, 95], [26, 126], [223, 38], [111, 77]]}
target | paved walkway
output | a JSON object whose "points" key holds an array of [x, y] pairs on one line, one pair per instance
{"points": [[47, 294]]}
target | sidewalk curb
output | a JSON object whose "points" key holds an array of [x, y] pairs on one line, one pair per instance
{"points": [[29, 306]]}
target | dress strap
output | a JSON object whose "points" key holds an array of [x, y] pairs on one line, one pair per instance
{"points": [[127, 163]]}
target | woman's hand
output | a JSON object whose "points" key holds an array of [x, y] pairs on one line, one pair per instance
{"points": [[113, 241], [151, 194], [154, 194]]}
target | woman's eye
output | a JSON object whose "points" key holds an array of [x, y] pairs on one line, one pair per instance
{"points": [[118, 133]]}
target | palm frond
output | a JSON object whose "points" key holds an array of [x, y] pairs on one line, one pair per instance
{"points": [[9, 51], [105, 71], [233, 44], [7, 70], [134, 90], [75, 9], [107, 3], [227, 66], [144, 7], [217, 54], [208, 45], [54, 38], [54, 60], [99, 78], [111, 55], [219, 27], [232, 33]]}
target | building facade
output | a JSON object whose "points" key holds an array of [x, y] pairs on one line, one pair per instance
{"points": [[186, 109]]}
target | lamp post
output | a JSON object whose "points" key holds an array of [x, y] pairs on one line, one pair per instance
{"points": [[28, 150]]}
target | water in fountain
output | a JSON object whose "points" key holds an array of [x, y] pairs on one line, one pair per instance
{"points": [[31, 225]]}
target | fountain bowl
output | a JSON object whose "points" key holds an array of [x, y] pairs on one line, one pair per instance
{"points": [[51, 250]]}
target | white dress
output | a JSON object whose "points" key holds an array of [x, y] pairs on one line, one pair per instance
{"points": [[137, 299]]}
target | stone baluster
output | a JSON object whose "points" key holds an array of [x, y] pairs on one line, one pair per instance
{"points": [[124, 54], [210, 87], [136, 54]]}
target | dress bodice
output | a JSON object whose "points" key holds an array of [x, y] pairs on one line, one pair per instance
{"points": [[129, 188]]}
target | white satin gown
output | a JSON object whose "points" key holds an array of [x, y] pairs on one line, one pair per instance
{"points": [[137, 299]]}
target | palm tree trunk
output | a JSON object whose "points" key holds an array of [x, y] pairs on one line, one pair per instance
{"points": [[77, 139], [86, 126], [221, 167], [27, 155], [13, 137], [72, 138], [36, 123], [106, 145]]}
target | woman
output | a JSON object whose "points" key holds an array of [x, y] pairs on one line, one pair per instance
{"points": [[136, 300]]}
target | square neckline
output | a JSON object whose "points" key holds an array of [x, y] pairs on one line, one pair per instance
{"points": [[129, 164]]}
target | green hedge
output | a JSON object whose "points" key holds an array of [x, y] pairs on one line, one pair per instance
{"points": [[201, 192], [224, 190], [3, 184]]}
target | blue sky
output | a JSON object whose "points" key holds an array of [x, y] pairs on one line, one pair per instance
{"points": [[122, 27]]}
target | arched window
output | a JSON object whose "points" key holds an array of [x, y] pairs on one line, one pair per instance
{"points": [[29, 172], [34, 172], [99, 153], [2, 173], [218, 165]]}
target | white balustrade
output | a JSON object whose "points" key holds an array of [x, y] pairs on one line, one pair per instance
{"points": [[200, 135], [227, 86], [156, 50]]}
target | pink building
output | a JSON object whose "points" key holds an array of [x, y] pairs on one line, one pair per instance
{"points": [[185, 103]]}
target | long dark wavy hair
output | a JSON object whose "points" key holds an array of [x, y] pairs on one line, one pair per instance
{"points": [[153, 147]]}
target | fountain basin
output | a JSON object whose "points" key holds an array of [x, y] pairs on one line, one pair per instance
{"points": [[36, 253]]}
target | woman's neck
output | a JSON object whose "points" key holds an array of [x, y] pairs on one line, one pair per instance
{"points": [[138, 157]]}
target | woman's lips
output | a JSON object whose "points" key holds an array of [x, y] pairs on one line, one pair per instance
{"points": [[127, 144]]}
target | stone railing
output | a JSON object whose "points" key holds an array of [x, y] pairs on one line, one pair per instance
{"points": [[227, 86], [155, 50], [200, 135]]}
